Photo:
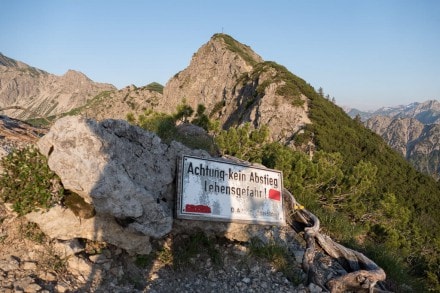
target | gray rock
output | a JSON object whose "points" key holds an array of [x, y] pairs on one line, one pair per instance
{"points": [[124, 171], [67, 248], [60, 223], [9, 264]]}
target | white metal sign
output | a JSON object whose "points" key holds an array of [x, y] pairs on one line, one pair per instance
{"points": [[221, 191]]}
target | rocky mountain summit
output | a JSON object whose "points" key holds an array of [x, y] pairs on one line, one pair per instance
{"points": [[237, 86], [412, 130], [234, 84], [42, 94]]}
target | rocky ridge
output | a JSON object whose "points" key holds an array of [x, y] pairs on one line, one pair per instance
{"points": [[234, 84], [117, 104], [41, 93]]}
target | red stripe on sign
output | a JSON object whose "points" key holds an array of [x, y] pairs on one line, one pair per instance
{"points": [[274, 194], [191, 208]]}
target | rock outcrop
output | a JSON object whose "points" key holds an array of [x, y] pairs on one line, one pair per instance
{"points": [[237, 86], [42, 93], [120, 169], [398, 133], [419, 143], [118, 104]]}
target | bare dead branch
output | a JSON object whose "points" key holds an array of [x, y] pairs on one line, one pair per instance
{"points": [[363, 273]]}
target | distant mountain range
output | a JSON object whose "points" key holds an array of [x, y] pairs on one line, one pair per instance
{"points": [[413, 130], [41, 93], [427, 112]]}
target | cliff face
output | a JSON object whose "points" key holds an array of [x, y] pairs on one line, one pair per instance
{"points": [[212, 74], [236, 86], [42, 93], [419, 143], [398, 133]]}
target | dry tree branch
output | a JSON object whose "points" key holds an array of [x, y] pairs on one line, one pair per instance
{"points": [[363, 274]]}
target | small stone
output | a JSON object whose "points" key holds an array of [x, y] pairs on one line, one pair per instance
{"points": [[106, 266], [154, 276], [98, 258], [28, 266], [79, 267], [255, 268], [49, 277], [32, 288], [117, 272], [314, 288], [299, 255], [61, 288], [246, 280], [9, 264]]}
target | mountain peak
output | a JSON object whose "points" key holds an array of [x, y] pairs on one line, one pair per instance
{"points": [[75, 75], [245, 52]]}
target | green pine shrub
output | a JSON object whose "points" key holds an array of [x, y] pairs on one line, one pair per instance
{"points": [[27, 182]]}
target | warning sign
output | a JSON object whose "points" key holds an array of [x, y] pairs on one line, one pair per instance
{"points": [[222, 191]]}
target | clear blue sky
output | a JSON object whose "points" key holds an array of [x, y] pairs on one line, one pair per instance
{"points": [[366, 54]]}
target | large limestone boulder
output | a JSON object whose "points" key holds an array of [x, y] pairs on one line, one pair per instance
{"points": [[122, 170]]}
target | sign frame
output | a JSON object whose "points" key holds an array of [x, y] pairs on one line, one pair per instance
{"points": [[272, 196]]}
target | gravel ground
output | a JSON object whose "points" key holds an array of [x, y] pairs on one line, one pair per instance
{"points": [[28, 264]]}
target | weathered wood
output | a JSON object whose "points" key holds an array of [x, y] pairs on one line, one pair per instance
{"points": [[363, 273]]}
